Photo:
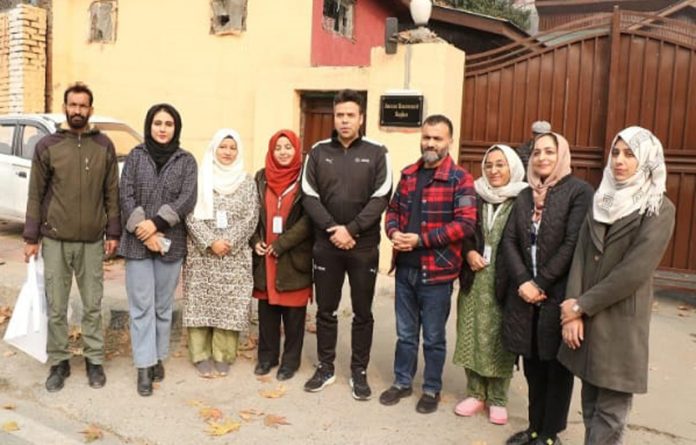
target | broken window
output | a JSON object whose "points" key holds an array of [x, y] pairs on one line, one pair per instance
{"points": [[102, 21], [229, 16], [338, 16]]}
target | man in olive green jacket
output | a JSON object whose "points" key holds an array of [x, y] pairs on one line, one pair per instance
{"points": [[72, 206]]}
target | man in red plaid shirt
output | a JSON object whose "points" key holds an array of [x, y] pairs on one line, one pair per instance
{"points": [[432, 211]]}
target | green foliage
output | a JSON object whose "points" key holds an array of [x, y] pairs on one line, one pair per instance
{"points": [[496, 8]]}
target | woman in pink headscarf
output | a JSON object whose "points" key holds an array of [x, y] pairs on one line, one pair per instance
{"points": [[538, 247]]}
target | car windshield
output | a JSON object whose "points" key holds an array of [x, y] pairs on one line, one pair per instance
{"points": [[123, 136]]}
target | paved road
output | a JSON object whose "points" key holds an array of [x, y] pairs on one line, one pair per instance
{"points": [[664, 416]]}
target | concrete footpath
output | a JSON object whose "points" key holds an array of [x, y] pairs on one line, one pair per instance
{"points": [[175, 413]]}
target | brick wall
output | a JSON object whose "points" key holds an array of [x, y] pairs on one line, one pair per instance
{"points": [[4, 63], [23, 60]]}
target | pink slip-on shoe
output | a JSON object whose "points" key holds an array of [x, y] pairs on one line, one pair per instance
{"points": [[469, 406], [497, 415]]}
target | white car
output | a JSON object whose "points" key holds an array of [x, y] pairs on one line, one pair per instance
{"points": [[19, 134]]}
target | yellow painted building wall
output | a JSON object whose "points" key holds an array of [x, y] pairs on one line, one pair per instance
{"points": [[251, 82], [164, 52]]}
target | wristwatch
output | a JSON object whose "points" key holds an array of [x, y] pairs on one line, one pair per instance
{"points": [[576, 309]]}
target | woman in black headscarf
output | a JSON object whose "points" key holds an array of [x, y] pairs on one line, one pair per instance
{"points": [[158, 190]]}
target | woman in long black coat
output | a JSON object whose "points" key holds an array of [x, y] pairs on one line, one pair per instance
{"points": [[538, 246]]}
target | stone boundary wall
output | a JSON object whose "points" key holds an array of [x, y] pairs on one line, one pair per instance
{"points": [[23, 60]]}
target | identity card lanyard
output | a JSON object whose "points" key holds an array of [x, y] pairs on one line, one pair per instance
{"points": [[278, 220], [491, 216]]}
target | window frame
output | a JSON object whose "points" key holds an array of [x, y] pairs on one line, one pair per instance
{"points": [[20, 138], [333, 24], [13, 139], [219, 29], [114, 21]]}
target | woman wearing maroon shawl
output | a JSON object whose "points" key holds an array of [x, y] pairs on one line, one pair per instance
{"points": [[282, 257]]}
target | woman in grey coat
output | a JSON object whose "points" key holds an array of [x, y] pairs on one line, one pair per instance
{"points": [[606, 314]]}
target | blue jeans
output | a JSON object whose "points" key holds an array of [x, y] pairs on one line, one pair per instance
{"points": [[150, 285], [417, 305]]}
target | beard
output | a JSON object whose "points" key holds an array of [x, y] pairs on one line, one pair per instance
{"points": [[431, 156], [76, 121]]}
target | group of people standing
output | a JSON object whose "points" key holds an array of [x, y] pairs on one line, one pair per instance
{"points": [[549, 270]]}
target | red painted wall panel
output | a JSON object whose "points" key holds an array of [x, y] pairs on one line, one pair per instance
{"points": [[332, 49]]}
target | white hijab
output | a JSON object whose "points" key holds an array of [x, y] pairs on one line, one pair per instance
{"points": [[644, 190], [496, 195], [212, 175]]}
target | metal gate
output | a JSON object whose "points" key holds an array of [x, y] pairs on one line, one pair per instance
{"points": [[590, 79]]}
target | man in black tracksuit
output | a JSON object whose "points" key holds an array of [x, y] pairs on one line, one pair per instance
{"points": [[347, 184]]}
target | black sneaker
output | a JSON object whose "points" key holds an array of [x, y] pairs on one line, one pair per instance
{"points": [[95, 374], [57, 375], [322, 377], [547, 441], [522, 438], [392, 395], [428, 403], [358, 383]]}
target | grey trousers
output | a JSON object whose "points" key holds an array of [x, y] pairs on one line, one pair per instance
{"points": [[604, 412], [62, 259], [150, 285]]}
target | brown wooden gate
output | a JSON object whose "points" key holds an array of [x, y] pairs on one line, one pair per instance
{"points": [[590, 79]]}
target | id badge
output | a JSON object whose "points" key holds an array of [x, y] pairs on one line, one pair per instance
{"points": [[221, 219], [277, 224], [487, 252]]}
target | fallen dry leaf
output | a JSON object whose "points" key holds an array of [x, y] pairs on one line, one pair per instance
{"points": [[5, 313], [273, 421], [9, 353], [245, 354], [683, 307], [92, 433], [274, 393], [208, 413], [248, 415], [222, 428], [249, 344], [155, 385], [195, 403], [264, 378], [177, 354], [9, 406], [8, 427]]}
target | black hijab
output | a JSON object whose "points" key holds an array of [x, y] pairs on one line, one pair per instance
{"points": [[161, 153]]}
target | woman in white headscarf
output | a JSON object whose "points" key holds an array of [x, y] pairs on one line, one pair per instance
{"points": [[479, 346], [218, 281], [606, 314]]}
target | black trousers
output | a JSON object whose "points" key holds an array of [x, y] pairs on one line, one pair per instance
{"points": [[330, 267], [550, 390], [293, 322]]}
